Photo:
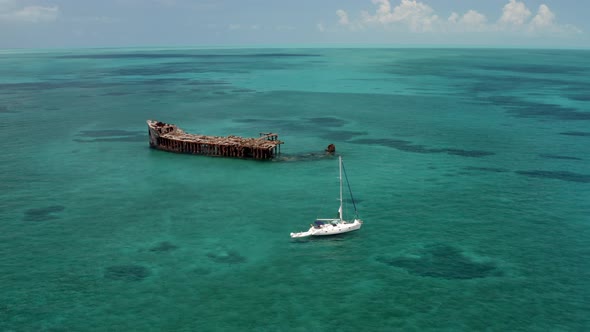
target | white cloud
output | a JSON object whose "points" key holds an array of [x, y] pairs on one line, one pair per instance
{"points": [[514, 13], [544, 17], [544, 23], [473, 18], [471, 21], [9, 12], [321, 27], [415, 16], [343, 17], [453, 18], [412, 14]]}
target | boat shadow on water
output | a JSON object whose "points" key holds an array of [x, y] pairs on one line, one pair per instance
{"points": [[332, 238]]}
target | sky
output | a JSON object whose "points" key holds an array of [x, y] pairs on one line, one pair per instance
{"points": [[186, 23]]}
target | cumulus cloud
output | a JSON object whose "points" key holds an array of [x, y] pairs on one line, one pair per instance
{"points": [[10, 12], [473, 18], [544, 17], [343, 17], [417, 16], [412, 14], [453, 18], [544, 23], [470, 21], [514, 13]]}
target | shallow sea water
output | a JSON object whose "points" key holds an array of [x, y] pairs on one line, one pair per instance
{"points": [[470, 168]]}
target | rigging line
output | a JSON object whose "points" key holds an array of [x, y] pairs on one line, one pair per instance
{"points": [[349, 190]]}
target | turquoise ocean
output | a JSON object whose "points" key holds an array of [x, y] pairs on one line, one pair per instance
{"points": [[470, 169]]}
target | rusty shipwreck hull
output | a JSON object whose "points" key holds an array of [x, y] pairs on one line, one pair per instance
{"points": [[169, 137]]}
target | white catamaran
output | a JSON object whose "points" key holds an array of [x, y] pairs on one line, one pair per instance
{"points": [[322, 227]]}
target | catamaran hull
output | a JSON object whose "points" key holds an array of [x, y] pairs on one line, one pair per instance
{"points": [[330, 229]]}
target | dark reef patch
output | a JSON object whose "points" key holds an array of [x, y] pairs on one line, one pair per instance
{"points": [[554, 156], [169, 69], [116, 93], [124, 56], [165, 63], [527, 109], [550, 111], [579, 97], [272, 123], [113, 139], [284, 55], [486, 169], [356, 200], [248, 120], [243, 91], [557, 175], [408, 146], [531, 68], [158, 55], [467, 153], [43, 214], [398, 144], [57, 84], [576, 133], [307, 125], [305, 157], [129, 272], [492, 71], [160, 91], [163, 246], [326, 122], [486, 84], [201, 271], [93, 84], [227, 257], [160, 81], [441, 261], [4, 109], [342, 135], [110, 135]]}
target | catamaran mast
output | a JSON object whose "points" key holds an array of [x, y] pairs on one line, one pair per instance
{"points": [[340, 168]]}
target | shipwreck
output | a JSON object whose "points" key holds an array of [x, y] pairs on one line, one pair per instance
{"points": [[169, 137]]}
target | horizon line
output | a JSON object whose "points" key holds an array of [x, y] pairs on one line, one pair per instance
{"points": [[303, 46]]}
